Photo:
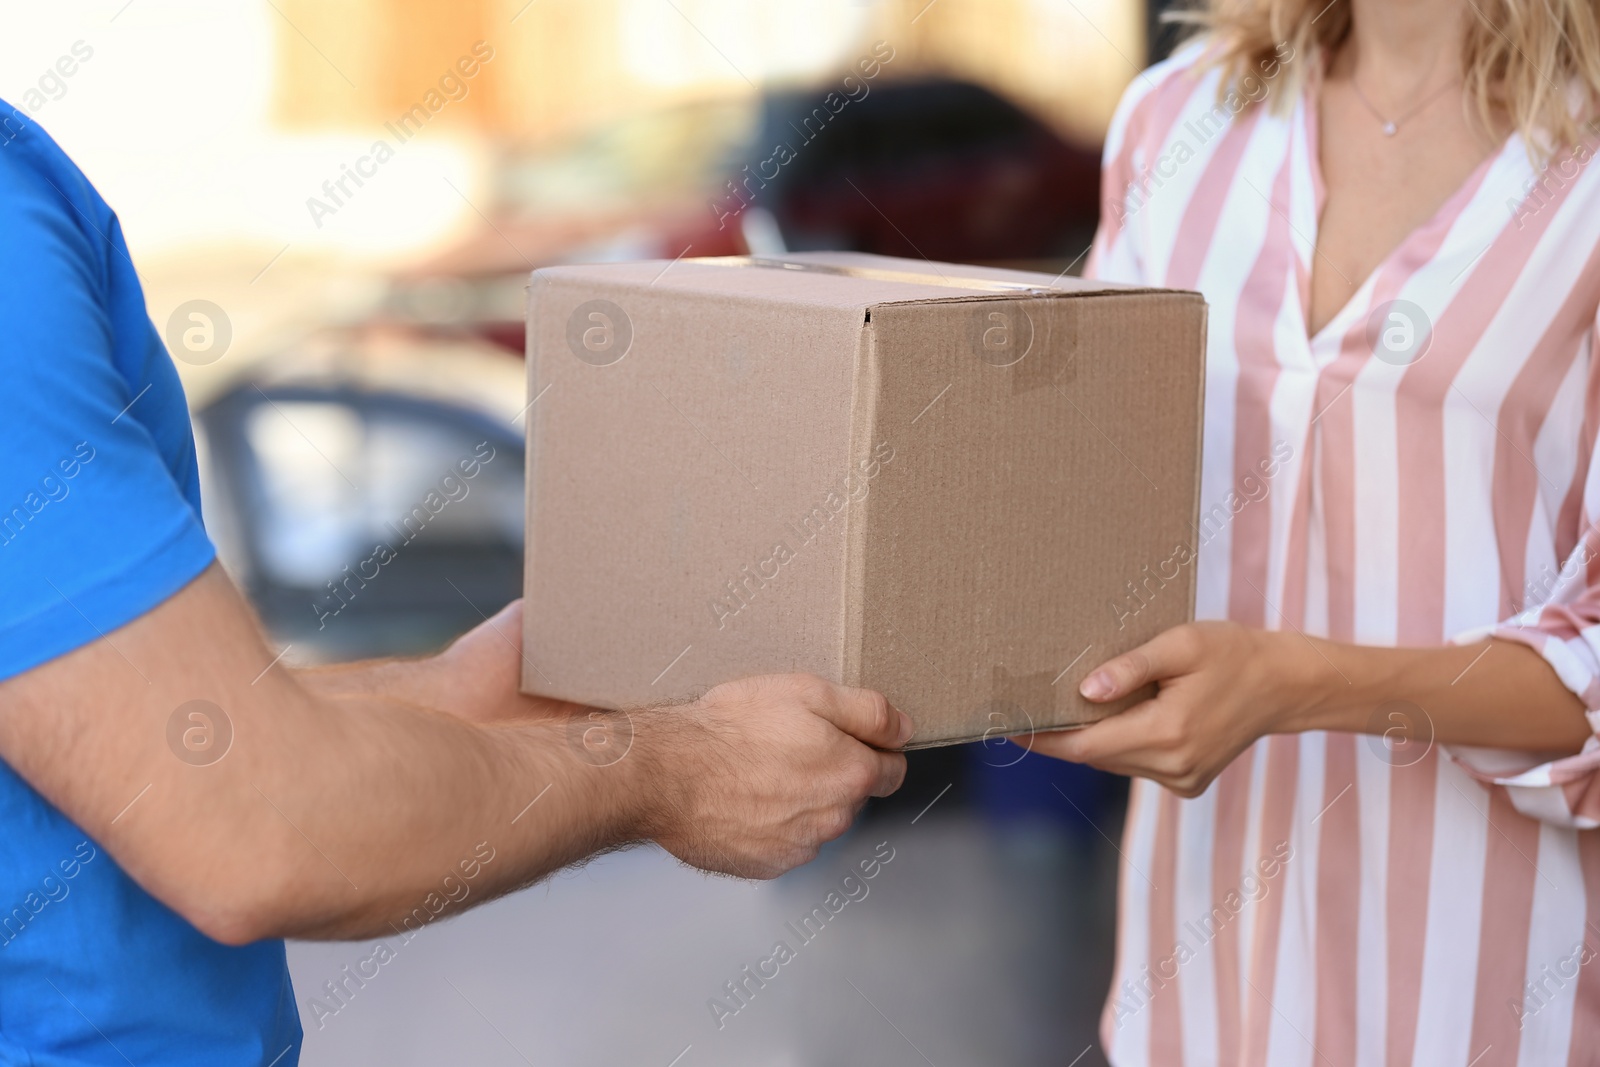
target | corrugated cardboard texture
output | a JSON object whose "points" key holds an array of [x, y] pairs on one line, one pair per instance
{"points": [[1024, 501], [944, 482]]}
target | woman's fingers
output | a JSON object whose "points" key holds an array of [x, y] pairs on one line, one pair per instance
{"points": [[1138, 742], [1099, 743], [1167, 654]]}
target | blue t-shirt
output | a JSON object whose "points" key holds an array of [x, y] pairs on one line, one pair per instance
{"points": [[99, 523]]}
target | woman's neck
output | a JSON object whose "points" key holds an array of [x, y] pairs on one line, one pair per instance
{"points": [[1398, 48]]}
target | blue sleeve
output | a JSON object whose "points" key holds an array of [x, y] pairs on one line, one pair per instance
{"points": [[99, 501]]}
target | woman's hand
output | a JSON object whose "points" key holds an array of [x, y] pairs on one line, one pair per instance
{"points": [[1220, 686]]}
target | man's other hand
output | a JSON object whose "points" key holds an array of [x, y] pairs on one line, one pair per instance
{"points": [[477, 678]]}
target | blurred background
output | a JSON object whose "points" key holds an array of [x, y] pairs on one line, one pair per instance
{"points": [[334, 206]]}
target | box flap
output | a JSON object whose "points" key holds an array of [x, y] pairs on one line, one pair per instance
{"points": [[831, 279]]}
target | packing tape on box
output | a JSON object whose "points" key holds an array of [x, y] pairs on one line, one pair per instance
{"points": [[1000, 331], [1046, 332], [1018, 701], [874, 274]]}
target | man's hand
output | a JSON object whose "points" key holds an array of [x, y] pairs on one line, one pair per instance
{"points": [[750, 780], [758, 774]]}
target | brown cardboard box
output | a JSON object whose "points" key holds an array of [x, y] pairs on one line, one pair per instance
{"points": [[963, 487]]}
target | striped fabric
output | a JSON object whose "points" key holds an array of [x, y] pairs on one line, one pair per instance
{"points": [[1413, 474]]}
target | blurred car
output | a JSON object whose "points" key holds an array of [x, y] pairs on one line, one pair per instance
{"points": [[930, 167], [365, 489]]}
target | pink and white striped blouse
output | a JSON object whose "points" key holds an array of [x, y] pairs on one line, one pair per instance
{"points": [[1419, 471]]}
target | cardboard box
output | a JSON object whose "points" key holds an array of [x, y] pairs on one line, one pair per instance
{"points": [[962, 487]]}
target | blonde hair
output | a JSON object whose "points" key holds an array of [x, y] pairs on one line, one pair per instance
{"points": [[1532, 65]]}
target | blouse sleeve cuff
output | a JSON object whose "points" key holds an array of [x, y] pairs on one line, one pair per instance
{"points": [[1563, 789]]}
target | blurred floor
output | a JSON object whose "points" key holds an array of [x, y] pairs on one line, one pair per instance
{"points": [[978, 943]]}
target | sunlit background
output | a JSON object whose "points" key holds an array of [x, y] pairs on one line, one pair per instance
{"points": [[334, 205]]}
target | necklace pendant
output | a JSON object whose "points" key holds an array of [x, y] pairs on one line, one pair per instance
{"points": [[1390, 129]]}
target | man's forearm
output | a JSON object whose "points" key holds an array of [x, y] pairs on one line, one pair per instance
{"points": [[385, 808], [312, 815]]}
